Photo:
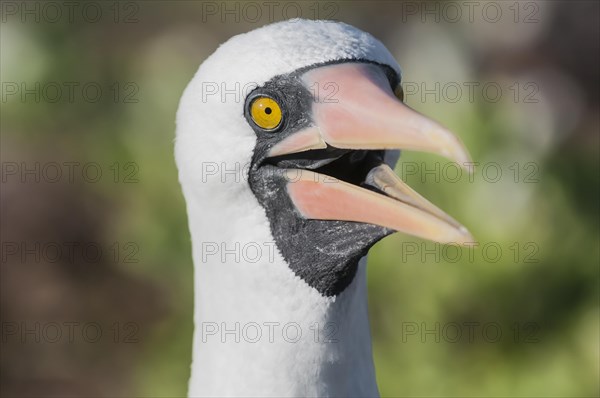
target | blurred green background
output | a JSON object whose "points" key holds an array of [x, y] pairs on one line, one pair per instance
{"points": [[541, 291]]}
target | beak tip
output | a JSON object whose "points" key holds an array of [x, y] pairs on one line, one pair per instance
{"points": [[466, 161], [461, 155], [467, 238]]}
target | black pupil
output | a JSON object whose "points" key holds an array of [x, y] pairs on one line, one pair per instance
{"points": [[268, 111]]}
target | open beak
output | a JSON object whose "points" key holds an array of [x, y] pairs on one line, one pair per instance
{"points": [[358, 111]]}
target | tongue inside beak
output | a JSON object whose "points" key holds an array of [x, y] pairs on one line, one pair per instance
{"points": [[364, 114]]}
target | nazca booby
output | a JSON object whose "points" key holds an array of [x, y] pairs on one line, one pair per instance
{"points": [[285, 138]]}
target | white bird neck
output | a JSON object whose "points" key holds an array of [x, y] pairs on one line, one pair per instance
{"points": [[262, 331]]}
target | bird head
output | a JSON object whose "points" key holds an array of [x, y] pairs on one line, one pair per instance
{"points": [[308, 116]]}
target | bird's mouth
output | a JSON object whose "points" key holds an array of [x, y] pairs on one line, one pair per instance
{"points": [[335, 168]]}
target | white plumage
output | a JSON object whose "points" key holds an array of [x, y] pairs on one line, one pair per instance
{"points": [[223, 210]]}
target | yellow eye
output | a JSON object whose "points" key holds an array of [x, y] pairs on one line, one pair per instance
{"points": [[266, 113]]}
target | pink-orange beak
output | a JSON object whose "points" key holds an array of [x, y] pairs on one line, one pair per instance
{"points": [[359, 111]]}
